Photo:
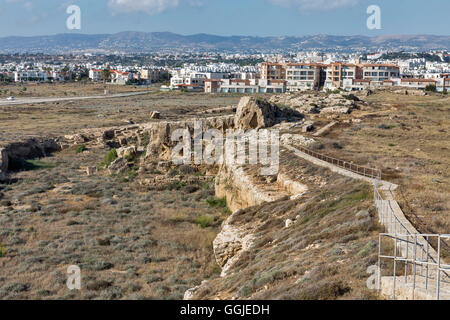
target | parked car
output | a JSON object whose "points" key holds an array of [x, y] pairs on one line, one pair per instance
{"points": [[10, 99]]}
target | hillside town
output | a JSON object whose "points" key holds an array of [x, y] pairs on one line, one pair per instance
{"points": [[248, 73]]}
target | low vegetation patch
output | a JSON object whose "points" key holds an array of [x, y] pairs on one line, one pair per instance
{"points": [[3, 251], [81, 148], [204, 221], [109, 158]]}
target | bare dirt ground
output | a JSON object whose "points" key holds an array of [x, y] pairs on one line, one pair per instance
{"points": [[60, 118], [63, 89]]}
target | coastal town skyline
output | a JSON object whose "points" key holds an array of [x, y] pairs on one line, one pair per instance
{"points": [[287, 17]]}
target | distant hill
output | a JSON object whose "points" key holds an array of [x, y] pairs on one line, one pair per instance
{"points": [[139, 42]]}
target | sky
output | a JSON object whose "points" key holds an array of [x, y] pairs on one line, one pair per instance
{"points": [[226, 17]]}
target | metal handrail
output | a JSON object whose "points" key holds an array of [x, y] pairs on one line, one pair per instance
{"points": [[365, 171], [394, 220], [417, 262]]}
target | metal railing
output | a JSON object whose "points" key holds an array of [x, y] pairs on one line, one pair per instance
{"points": [[412, 249], [364, 171], [421, 270], [386, 214]]}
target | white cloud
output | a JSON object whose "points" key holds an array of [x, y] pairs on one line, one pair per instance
{"points": [[305, 5], [149, 6]]}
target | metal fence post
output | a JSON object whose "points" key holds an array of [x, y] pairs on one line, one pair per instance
{"points": [[406, 261], [395, 268], [438, 276], [428, 250], [379, 263], [414, 266]]}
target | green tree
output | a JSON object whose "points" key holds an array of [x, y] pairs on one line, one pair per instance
{"points": [[106, 74], [430, 88]]}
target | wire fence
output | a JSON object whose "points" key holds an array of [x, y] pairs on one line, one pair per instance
{"points": [[365, 171]]}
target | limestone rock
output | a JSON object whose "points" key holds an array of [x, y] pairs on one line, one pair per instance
{"points": [[308, 126], [362, 214], [155, 115], [76, 138], [296, 139], [160, 134], [288, 223], [4, 160], [126, 152], [91, 171], [337, 109], [118, 166], [253, 113]]}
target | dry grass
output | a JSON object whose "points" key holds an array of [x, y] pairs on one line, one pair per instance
{"points": [[59, 118], [323, 256], [408, 137], [63, 89], [131, 243]]}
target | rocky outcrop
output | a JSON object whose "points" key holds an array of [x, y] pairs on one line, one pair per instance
{"points": [[231, 242], [124, 152], [155, 115], [13, 154], [336, 109], [118, 166], [160, 134], [3, 164], [253, 113], [316, 103], [296, 139], [241, 191], [237, 186]]}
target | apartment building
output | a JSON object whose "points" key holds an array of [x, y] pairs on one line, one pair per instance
{"points": [[337, 72], [418, 84], [298, 76], [25, 76], [302, 76], [245, 86], [152, 74], [380, 72], [443, 84], [212, 85], [119, 77], [95, 74], [273, 71], [193, 78]]}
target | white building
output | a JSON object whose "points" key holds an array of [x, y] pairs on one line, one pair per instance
{"points": [[244, 86], [95, 74], [119, 77], [188, 77], [25, 76]]}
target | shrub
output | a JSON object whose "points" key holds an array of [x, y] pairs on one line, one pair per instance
{"points": [[152, 278], [204, 221], [216, 202], [3, 251], [385, 126], [16, 287], [81, 148], [109, 158], [430, 88]]}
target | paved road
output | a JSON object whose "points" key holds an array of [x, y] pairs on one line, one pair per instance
{"points": [[18, 101]]}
